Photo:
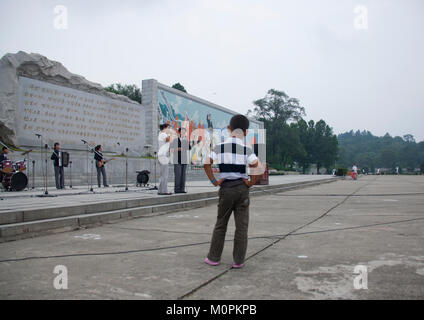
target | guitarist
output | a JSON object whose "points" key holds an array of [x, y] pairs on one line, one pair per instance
{"points": [[100, 165]]}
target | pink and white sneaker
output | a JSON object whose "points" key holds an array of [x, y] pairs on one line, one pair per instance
{"points": [[238, 266], [211, 263]]}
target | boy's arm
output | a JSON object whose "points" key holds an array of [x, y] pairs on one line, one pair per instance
{"points": [[253, 178], [209, 173]]}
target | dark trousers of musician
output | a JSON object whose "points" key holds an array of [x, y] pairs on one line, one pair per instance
{"points": [[101, 172], [59, 175], [180, 177]]}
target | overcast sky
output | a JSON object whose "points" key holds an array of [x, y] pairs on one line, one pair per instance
{"points": [[232, 52]]}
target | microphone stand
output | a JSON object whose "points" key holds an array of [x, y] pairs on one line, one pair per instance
{"points": [[126, 164], [70, 174], [89, 186], [155, 187], [91, 176], [46, 192], [126, 169], [33, 174]]}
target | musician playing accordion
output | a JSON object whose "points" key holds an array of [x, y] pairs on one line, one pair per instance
{"points": [[58, 164]]}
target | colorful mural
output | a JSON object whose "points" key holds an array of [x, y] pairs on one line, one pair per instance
{"points": [[179, 112]]}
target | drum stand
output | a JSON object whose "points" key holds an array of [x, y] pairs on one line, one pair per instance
{"points": [[91, 177], [89, 182], [155, 187], [46, 192]]}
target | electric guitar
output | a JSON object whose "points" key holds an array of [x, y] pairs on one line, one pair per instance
{"points": [[101, 163]]}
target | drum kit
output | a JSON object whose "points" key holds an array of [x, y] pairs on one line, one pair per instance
{"points": [[12, 174]]}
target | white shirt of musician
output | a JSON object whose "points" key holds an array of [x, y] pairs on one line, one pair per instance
{"points": [[59, 155], [163, 153]]}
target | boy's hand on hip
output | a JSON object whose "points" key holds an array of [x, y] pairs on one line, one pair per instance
{"points": [[218, 183], [247, 182]]}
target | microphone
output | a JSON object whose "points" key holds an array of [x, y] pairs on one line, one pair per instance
{"points": [[118, 143], [85, 142]]}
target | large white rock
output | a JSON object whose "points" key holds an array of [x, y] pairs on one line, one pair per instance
{"points": [[38, 67]]}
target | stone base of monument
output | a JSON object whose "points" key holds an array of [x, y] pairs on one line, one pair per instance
{"points": [[78, 211]]}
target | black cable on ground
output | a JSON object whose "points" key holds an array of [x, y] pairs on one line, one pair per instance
{"points": [[345, 195], [155, 249], [206, 242]]}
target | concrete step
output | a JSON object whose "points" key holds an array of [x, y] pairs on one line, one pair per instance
{"points": [[31, 223]]}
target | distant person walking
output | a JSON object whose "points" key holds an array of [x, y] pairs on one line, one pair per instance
{"points": [[354, 172], [163, 157]]}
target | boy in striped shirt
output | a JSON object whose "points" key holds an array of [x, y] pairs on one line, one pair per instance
{"points": [[232, 157]]}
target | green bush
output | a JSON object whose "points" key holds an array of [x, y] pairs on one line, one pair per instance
{"points": [[341, 172]]}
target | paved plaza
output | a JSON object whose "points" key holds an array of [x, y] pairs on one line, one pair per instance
{"points": [[304, 244]]}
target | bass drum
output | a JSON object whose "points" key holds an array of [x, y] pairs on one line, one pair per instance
{"points": [[15, 182]]}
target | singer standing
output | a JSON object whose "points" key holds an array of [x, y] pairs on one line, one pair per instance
{"points": [[100, 166], [180, 150], [163, 157], [59, 174]]}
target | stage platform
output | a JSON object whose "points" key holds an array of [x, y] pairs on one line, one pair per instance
{"points": [[29, 213]]}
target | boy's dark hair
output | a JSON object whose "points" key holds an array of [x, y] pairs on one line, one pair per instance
{"points": [[4, 148], [97, 147], [239, 121]]}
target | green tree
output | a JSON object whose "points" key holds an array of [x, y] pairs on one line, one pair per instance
{"points": [[306, 136], [277, 107], [180, 87], [325, 145], [129, 90], [276, 110]]}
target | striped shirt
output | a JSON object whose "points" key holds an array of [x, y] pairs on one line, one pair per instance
{"points": [[232, 157]]}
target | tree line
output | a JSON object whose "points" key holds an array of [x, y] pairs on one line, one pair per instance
{"points": [[372, 152], [292, 142]]}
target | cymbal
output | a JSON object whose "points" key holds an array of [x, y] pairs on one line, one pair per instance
{"points": [[26, 152]]}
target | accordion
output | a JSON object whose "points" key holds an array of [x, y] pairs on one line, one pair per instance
{"points": [[65, 159]]}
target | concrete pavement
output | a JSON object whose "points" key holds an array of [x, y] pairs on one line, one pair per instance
{"points": [[304, 244]]}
